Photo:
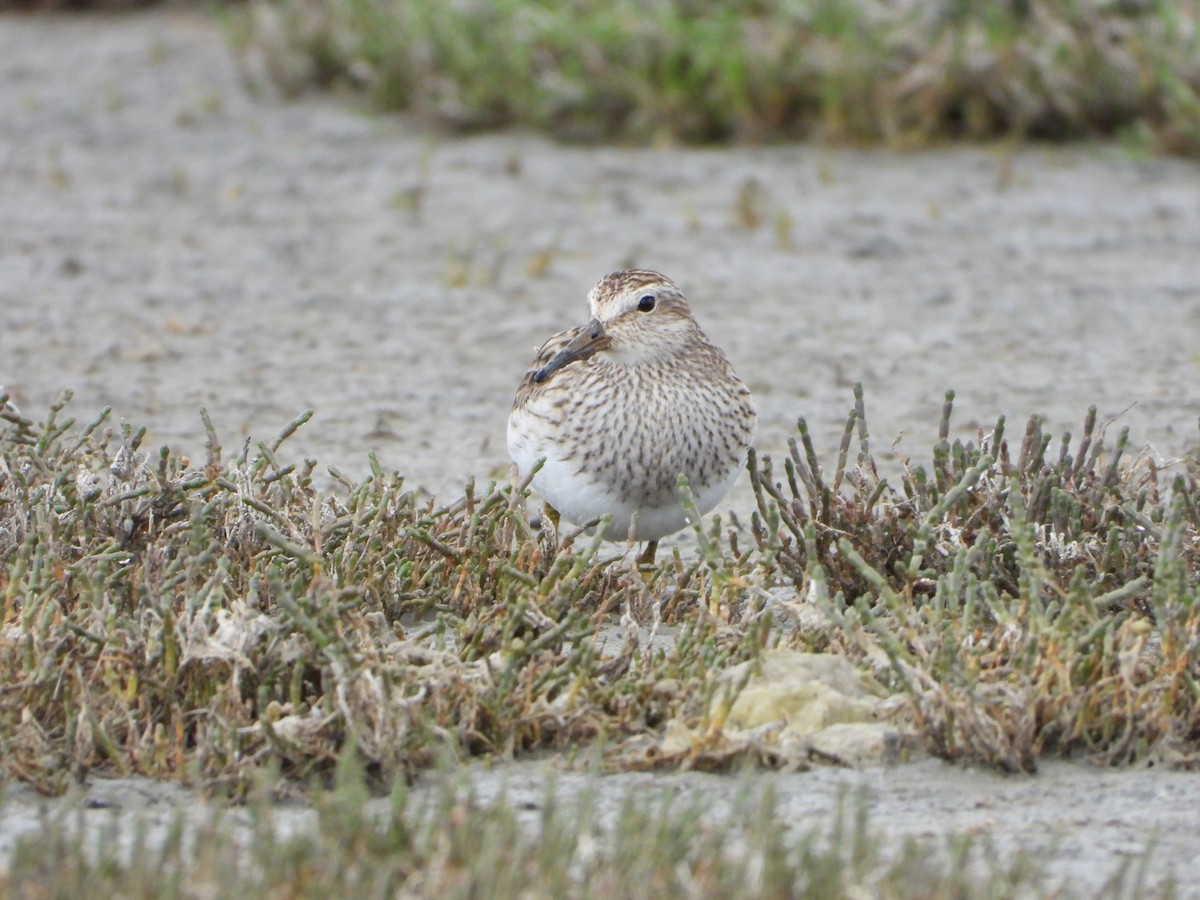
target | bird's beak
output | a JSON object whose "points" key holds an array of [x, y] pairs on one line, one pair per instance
{"points": [[590, 340]]}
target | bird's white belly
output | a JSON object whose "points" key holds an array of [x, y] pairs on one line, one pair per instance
{"points": [[582, 497]]}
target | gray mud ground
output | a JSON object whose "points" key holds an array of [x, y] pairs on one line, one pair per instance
{"points": [[171, 239]]}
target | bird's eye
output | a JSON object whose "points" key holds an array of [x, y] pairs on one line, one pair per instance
{"points": [[646, 303]]}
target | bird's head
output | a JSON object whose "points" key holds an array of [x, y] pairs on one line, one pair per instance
{"points": [[637, 316]]}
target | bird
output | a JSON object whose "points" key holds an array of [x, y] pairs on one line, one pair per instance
{"points": [[617, 409]]}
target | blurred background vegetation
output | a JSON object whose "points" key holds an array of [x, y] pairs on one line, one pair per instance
{"points": [[904, 73]]}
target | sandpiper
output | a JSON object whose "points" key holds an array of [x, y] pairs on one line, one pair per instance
{"points": [[623, 405]]}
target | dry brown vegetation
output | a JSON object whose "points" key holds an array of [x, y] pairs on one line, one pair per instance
{"points": [[206, 622], [232, 625], [1029, 602]]}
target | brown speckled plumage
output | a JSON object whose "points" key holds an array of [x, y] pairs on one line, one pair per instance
{"points": [[621, 406]]}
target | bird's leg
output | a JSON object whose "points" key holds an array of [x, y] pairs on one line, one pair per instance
{"points": [[550, 536], [646, 560]]}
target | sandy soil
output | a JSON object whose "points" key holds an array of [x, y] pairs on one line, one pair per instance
{"points": [[170, 239]]}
